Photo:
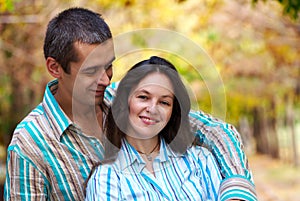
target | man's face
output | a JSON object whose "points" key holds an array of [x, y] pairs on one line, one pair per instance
{"points": [[91, 74]]}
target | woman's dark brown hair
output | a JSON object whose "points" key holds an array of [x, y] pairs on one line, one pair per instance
{"points": [[177, 131]]}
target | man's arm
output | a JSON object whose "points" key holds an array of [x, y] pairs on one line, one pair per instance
{"points": [[225, 143], [23, 180]]}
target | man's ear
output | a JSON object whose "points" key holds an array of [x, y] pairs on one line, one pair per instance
{"points": [[53, 67]]}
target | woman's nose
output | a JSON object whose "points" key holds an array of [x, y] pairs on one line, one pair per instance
{"points": [[151, 108]]}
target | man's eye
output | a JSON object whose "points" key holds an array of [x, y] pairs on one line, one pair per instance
{"points": [[89, 71]]}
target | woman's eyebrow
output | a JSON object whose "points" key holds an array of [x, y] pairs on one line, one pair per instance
{"points": [[147, 92]]}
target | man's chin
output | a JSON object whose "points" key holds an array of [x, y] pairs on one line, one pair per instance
{"points": [[98, 100]]}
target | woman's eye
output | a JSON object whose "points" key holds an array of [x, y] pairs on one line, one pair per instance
{"points": [[165, 103], [143, 97]]}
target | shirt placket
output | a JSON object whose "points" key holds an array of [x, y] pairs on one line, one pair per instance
{"points": [[156, 180]]}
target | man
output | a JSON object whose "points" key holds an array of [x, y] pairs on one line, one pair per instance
{"points": [[54, 148]]}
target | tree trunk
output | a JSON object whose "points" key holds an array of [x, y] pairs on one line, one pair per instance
{"points": [[259, 131], [273, 137], [246, 134], [291, 124]]}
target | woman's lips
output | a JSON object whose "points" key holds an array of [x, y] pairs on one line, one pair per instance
{"points": [[148, 121]]}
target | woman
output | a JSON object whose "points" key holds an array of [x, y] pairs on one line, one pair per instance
{"points": [[150, 152]]}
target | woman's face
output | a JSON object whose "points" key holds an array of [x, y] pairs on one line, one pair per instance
{"points": [[150, 106]]}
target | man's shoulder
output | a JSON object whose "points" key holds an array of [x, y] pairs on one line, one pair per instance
{"points": [[34, 118], [110, 93], [205, 119], [30, 139]]}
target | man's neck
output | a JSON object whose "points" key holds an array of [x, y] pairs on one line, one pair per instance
{"points": [[88, 117], [90, 123]]}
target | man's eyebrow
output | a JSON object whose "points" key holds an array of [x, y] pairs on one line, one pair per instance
{"points": [[89, 68], [109, 64]]}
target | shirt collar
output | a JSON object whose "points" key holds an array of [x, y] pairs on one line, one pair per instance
{"points": [[56, 116], [128, 155], [165, 152]]}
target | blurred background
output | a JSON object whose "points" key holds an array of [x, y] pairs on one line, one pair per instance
{"points": [[254, 46]]}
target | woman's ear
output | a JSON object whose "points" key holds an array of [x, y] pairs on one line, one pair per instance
{"points": [[53, 67]]}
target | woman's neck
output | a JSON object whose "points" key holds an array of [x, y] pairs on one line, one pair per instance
{"points": [[144, 146], [148, 149]]}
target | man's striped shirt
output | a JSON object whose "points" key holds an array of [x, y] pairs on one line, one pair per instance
{"points": [[49, 158]]}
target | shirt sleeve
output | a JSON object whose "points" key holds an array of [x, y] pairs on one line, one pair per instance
{"points": [[23, 181], [225, 143], [103, 185]]}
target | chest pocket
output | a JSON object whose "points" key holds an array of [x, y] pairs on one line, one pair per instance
{"points": [[193, 185]]}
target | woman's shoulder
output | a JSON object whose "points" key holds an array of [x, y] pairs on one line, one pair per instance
{"points": [[198, 151], [202, 159], [104, 170]]}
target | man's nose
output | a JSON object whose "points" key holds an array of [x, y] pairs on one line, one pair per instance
{"points": [[103, 79]]}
